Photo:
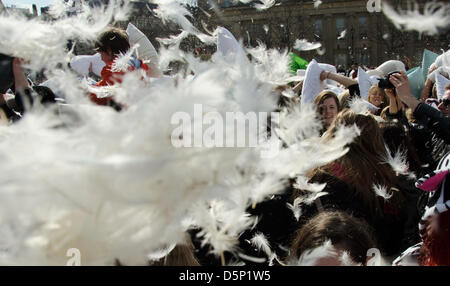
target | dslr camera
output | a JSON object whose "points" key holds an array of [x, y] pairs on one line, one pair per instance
{"points": [[384, 83]]}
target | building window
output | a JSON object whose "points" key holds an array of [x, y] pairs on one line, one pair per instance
{"points": [[318, 29], [340, 26], [341, 59], [362, 25]]}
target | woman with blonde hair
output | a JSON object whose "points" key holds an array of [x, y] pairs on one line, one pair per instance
{"points": [[378, 97]]}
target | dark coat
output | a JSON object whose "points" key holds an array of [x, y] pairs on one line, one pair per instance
{"points": [[276, 222], [394, 231], [435, 120]]}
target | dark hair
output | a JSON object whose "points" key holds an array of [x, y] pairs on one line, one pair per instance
{"points": [[363, 163], [397, 136], [344, 231], [113, 39]]}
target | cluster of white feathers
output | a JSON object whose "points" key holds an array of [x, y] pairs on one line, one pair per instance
{"points": [[435, 16], [111, 184]]}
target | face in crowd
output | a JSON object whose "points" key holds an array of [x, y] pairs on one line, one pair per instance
{"points": [[329, 110], [375, 97]]}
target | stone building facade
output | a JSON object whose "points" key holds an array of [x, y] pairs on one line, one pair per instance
{"points": [[370, 38]]}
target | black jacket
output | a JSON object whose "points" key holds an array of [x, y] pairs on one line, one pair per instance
{"points": [[277, 223], [434, 120], [395, 231]]}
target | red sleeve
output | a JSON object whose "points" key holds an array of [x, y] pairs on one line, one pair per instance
{"points": [[107, 79]]}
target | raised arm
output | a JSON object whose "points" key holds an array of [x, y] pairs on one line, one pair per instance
{"points": [[346, 81], [433, 118]]}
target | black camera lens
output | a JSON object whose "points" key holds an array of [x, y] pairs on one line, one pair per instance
{"points": [[384, 83]]}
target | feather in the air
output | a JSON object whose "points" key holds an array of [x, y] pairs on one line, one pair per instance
{"points": [[435, 16], [304, 45]]}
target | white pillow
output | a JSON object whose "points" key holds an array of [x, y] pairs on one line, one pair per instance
{"points": [[312, 85], [365, 83], [81, 64], [146, 51], [336, 89], [442, 60], [226, 42], [441, 83], [329, 68], [375, 73], [391, 66], [443, 70]]}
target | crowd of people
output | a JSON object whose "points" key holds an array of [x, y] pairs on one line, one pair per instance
{"points": [[369, 204]]}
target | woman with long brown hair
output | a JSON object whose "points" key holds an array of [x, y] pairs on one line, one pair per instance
{"points": [[343, 231], [364, 184]]}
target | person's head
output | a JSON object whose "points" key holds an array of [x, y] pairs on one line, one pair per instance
{"points": [[328, 106], [397, 137], [364, 163], [377, 97], [370, 138], [112, 43], [345, 99], [444, 105], [434, 226], [435, 250], [345, 232]]}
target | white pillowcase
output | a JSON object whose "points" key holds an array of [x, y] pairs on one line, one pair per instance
{"points": [[226, 42], [312, 85], [81, 64], [441, 83]]}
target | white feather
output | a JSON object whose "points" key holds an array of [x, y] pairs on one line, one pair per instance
{"points": [[312, 256], [435, 16], [112, 184], [304, 45], [382, 191], [317, 3], [264, 4], [261, 243], [342, 35], [398, 162]]}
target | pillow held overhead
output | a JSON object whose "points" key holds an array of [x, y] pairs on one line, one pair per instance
{"points": [[226, 42], [145, 51], [428, 59], [391, 66], [364, 82], [441, 83], [329, 68], [312, 85], [81, 64]]}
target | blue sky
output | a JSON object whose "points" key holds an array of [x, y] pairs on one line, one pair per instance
{"points": [[27, 3]]}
